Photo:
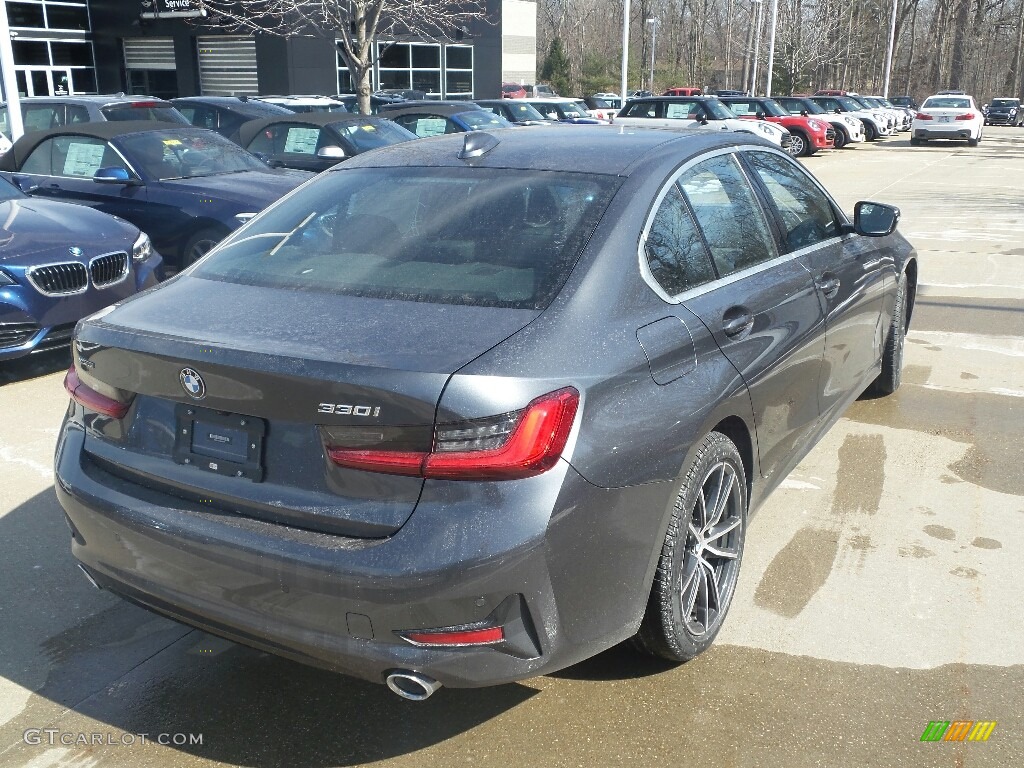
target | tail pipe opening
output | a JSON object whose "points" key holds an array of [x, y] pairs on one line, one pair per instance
{"points": [[411, 685]]}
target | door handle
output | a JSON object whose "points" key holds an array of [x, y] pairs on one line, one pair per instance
{"points": [[829, 286], [736, 321]]}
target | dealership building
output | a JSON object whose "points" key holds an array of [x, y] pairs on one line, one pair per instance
{"points": [[165, 48]]}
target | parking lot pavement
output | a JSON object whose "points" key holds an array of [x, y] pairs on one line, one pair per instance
{"points": [[878, 592]]}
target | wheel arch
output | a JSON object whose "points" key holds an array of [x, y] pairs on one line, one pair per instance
{"points": [[910, 270], [736, 430]]}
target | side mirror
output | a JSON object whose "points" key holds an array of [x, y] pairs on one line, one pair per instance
{"points": [[331, 152], [804, 113], [839, 111], [703, 120], [24, 183], [875, 219], [759, 115], [113, 176]]}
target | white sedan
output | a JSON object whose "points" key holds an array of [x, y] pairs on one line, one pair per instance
{"points": [[948, 116]]}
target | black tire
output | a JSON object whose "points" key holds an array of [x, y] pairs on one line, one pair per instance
{"points": [[870, 133], [681, 622], [840, 140], [916, 142], [200, 243], [891, 377]]}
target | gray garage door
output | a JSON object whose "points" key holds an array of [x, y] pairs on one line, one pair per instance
{"points": [[227, 66]]}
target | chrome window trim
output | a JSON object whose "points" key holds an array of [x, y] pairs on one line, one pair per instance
{"points": [[30, 274], [119, 280]]}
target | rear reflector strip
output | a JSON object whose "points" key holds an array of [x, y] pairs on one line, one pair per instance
{"points": [[91, 399], [458, 637]]}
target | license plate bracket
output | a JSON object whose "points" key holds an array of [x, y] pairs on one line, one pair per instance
{"points": [[224, 443]]}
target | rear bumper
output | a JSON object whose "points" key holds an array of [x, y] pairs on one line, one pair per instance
{"points": [[578, 560], [947, 131]]}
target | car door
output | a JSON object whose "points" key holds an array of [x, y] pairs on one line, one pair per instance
{"points": [[763, 309], [62, 168], [850, 273]]}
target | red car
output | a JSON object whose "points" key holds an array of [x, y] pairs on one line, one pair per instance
{"points": [[809, 133], [687, 91], [512, 91]]}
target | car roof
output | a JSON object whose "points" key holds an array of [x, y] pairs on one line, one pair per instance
{"points": [[678, 99], [602, 149], [247, 131], [98, 99], [427, 107], [105, 130]]}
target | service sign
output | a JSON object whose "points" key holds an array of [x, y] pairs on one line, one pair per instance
{"points": [[171, 9]]}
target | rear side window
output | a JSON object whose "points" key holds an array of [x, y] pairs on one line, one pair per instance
{"points": [[42, 118], [675, 251], [806, 214], [728, 214], [482, 237]]}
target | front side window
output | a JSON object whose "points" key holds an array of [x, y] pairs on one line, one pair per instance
{"points": [[480, 120], [685, 111], [481, 237], [807, 216], [286, 138], [426, 125], [728, 214], [72, 156], [675, 251]]}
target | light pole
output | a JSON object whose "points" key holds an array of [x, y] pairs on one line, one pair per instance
{"points": [[757, 48], [9, 79], [654, 43], [625, 49], [771, 47], [888, 56]]}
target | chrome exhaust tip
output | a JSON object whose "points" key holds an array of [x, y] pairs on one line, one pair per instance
{"points": [[411, 685], [89, 576]]}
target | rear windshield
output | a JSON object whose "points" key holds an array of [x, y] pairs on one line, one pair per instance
{"points": [[947, 102], [166, 113], [481, 237]]}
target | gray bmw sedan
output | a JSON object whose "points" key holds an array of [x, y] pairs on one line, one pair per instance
{"points": [[471, 409]]}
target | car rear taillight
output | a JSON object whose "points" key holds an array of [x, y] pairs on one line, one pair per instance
{"points": [[923, 116], [91, 399], [144, 104], [966, 116], [509, 446]]}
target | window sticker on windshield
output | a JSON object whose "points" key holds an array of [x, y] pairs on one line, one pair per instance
{"points": [[301, 141], [83, 159], [172, 142], [430, 126]]}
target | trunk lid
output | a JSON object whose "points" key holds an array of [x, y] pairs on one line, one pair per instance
{"points": [[281, 372]]}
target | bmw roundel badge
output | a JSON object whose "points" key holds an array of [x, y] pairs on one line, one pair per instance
{"points": [[192, 383], [75, 251]]}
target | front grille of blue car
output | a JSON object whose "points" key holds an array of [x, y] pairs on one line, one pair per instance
{"points": [[60, 279], [109, 269]]}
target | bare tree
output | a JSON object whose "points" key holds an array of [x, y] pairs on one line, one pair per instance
{"points": [[353, 23]]}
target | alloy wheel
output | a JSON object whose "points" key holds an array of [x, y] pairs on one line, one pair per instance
{"points": [[711, 562]]}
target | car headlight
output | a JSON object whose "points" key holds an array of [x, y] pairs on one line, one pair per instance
{"points": [[244, 217], [766, 129], [815, 125], [6, 279], [1013, 110], [142, 249]]}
